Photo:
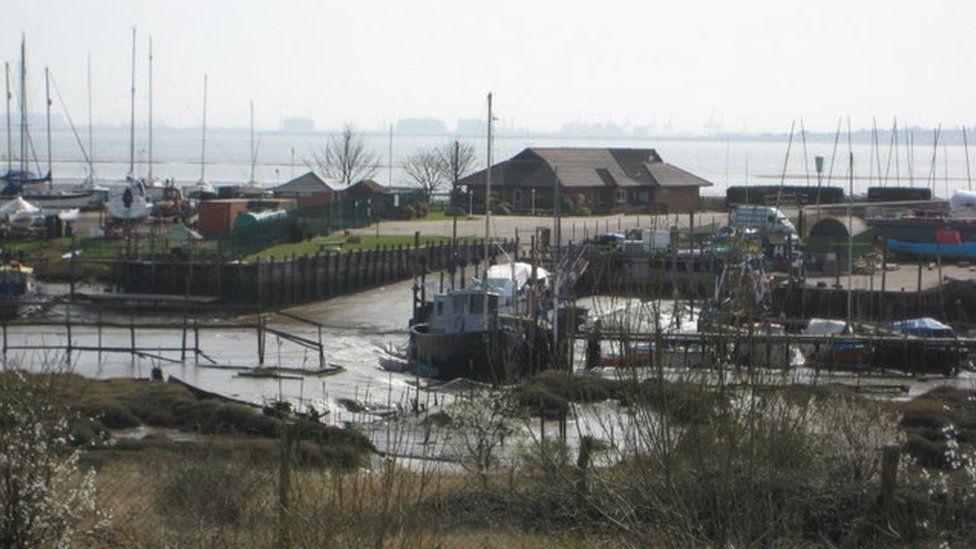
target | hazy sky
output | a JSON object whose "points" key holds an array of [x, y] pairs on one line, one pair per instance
{"points": [[755, 63]]}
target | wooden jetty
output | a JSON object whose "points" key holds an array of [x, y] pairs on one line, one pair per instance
{"points": [[186, 333], [903, 353]]}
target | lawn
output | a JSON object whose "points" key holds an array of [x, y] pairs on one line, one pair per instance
{"points": [[92, 248], [341, 242]]}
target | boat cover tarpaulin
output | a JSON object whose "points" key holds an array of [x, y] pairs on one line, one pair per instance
{"points": [[519, 272], [962, 203], [923, 327], [18, 208], [825, 326]]}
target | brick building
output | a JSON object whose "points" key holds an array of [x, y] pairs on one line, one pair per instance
{"points": [[607, 180], [309, 190]]}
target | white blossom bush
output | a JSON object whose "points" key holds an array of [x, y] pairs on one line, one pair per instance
{"points": [[45, 498], [480, 425]]}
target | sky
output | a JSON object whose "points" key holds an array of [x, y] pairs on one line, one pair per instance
{"points": [[754, 64]]}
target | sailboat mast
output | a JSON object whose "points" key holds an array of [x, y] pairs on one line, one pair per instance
{"points": [[132, 116], [850, 225], [91, 134], [47, 100], [150, 176], [10, 145], [203, 141], [23, 104], [252, 142], [965, 143]]}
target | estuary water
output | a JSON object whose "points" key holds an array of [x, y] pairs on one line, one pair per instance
{"points": [[282, 155]]}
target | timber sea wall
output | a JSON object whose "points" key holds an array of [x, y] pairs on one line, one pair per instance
{"points": [[952, 301], [299, 279]]}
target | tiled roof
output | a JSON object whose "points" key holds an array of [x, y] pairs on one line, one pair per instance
{"points": [[586, 167], [308, 183]]}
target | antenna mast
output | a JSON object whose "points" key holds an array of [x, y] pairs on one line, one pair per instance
{"points": [[487, 208]]}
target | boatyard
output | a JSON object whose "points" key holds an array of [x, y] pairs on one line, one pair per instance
{"points": [[318, 291]]}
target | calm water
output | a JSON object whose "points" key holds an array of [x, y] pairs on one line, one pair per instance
{"points": [[177, 155]]}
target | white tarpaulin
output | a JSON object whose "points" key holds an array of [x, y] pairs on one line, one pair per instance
{"points": [[824, 326], [18, 208], [519, 272], [963, 204]]}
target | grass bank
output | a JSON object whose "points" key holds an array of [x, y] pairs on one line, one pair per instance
{"points": [[682, 464], [342, 243], [101, 406]]}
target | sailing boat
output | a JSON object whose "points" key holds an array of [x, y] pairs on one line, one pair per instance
{"points": [[99, 193], [133, 203], [253, 188], [17, 178], [151, 181], [203, 190]]}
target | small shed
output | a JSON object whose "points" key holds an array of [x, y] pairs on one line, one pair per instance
{"points": [[216, 217]]}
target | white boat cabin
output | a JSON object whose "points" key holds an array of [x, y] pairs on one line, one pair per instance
{"points": [[462, 311]]}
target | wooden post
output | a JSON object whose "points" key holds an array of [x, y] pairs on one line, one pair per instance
{"points": [[889, 474], [196, 341], [182, 339], [260, 334], [132, 337], [919, 285], [321, 350], [284, 485], [884, 277], [99, 337]]}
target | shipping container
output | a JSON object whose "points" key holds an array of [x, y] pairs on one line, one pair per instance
{"points": [[215, 218]]}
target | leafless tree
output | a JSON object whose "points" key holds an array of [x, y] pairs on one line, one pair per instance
{"points": [[346, 157], [425, 168], [457, 160]]}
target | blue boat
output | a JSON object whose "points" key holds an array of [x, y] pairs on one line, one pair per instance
{"points": [[963, 250]]}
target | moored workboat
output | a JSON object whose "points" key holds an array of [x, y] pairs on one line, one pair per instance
{"points": [[17, 288], [481, 332]]}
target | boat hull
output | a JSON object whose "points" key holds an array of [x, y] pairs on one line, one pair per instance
{"points": [[490, 355], [922, 230], [964, 250]]}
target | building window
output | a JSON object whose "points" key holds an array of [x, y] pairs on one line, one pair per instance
{"points": [[621, 196], [476, 304]]}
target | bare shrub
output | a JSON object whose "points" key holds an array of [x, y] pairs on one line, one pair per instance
{"points": [[481, 424], [46, 499]]}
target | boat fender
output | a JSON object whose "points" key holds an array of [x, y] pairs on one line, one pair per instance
{"points": [[459, 323]]}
